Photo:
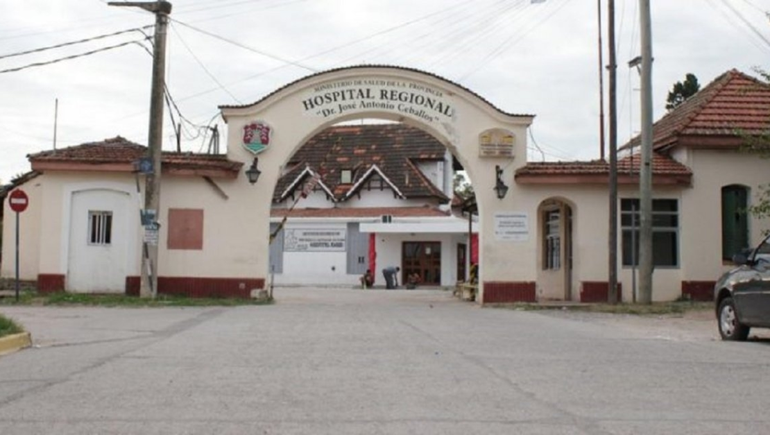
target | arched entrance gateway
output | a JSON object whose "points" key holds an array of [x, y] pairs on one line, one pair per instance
{"points": [[489, 143]]}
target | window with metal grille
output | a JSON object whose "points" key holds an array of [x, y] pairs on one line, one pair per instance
{"points": [[99, 227], [552, 249], [665, 232]]}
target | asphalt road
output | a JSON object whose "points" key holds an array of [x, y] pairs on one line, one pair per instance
{"points": [[332, 361]]}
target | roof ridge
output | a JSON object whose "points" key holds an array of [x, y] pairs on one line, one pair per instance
{"points": [[426, 182]]}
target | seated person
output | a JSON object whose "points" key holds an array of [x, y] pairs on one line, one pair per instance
{"points": [[412, 280], [367, 279]]}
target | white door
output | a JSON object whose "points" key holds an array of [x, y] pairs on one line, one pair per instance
{"points": [[99, 241]]}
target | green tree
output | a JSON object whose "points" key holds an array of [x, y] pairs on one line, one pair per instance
{"points": [[759, 144], [462, 186], [682, 91]]}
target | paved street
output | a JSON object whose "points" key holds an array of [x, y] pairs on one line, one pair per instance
{"points": [[333, 361]]}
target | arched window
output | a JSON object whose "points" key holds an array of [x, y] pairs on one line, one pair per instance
{"points": [[735, 220]]}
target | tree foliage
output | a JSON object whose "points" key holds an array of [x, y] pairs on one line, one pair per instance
{"points": [[681, 91], [462, 186], [759, 144]]}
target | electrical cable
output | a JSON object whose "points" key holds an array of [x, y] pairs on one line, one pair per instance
{"points": [[751, 26], [507, 44], [245, 47], [240, 13], [431, 35], [80, 41], [339, 47], [75, 56], [189, 50]]}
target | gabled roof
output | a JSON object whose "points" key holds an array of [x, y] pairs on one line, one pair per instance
{"points": [[301, 174], [731, 105], [119, 154], [665, 170], [388, 151]]}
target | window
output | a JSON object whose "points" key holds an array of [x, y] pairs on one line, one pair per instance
{"points": [[735, 220], [346, 176], [552, 248], [100, 228], [665, 232]]}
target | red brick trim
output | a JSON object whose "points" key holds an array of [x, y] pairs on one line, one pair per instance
{"points": [[698, 290], [597, 291], [507, 291], [200, 287], [50, 282]]}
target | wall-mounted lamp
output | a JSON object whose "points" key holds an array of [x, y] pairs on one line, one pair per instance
{"points": [[253, 172], [500, 187]]}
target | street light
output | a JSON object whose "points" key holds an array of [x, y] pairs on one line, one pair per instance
{"points": [[500, 187], [253, 172]]}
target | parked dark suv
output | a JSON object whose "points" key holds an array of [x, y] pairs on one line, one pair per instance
{"points": [[742, 295]]}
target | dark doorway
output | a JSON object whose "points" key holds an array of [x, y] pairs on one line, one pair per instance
{"points": [[462, 251], [424, 259]]}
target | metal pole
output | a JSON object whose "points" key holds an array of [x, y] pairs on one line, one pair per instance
{"points": [[645, 176], [612, 264], [161, 9], [601, 81], [17, 256]]}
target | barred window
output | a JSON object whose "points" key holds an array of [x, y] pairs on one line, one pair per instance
{"points": [[665, 232], [99, 228]]}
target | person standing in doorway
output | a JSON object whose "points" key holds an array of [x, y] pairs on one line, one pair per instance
{"points": [[391, 277]]}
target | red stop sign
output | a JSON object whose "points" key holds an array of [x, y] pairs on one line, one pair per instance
{"points": [[18, 200]]}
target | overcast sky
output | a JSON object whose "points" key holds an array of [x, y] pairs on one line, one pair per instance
{"points": [[526, 58]]}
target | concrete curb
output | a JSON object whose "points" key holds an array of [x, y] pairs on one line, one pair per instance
{"points": [[12, 343]]}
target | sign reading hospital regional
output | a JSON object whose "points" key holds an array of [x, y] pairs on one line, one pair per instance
{"points": [[314, 240], [402, 98], [511, 227]]}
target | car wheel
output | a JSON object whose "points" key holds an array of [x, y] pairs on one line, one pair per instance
{"points": [[729, 326]]}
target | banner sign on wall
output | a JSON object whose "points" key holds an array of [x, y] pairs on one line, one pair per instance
{"points": [[314, 240], [511, 227], [402, 98]]}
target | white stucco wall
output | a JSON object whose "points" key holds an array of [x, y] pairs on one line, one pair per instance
{"points": [[701, 207]]}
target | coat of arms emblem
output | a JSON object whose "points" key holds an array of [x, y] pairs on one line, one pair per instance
{"points": [[256, 136]]}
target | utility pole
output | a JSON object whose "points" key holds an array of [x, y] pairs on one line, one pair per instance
{"points": [[612, 292], [161, 9], [645, 177]]}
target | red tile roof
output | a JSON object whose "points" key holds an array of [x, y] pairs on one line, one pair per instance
{"points": [[731, 105], [394, 149], [665, 171], [371, 212], [119, 154]]}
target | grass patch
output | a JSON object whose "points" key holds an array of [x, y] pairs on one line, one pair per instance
{"points": [[76, 299], [8, 326], [658, 308]]}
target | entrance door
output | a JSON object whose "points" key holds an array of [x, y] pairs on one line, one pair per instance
{"points": [[424, 259], [461, 259], [98, 245]]}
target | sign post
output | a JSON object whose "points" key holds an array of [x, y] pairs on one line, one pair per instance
{"points": [[18, 201]]}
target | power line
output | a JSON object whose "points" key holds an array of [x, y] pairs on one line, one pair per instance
{"points": [[189, 50], [80, 41], [75, 56], [507, 44], [245, 47], [751, 26]]}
